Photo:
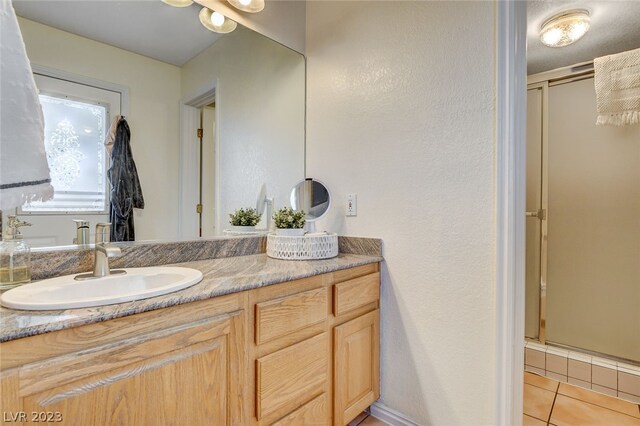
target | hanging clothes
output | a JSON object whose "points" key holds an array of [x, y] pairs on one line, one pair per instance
{"points": [[126, 193]]}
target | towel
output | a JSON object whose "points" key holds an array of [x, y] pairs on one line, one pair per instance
{"points": [[617, 81], [24, 171], [111, 134]]}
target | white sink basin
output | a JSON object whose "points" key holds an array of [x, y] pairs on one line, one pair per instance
{"points": [[67, 293]]}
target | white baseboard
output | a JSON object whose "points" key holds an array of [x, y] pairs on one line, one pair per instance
{"points": [[389, 415]]}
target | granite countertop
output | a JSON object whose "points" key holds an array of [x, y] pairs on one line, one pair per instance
{"points": [[221, 276]]}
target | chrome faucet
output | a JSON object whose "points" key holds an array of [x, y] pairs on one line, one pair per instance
{"points": [[103, 252], [82, 232]]}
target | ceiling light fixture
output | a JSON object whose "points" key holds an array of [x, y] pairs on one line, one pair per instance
{"points": [[251, 6], [178, 3], [565, 28], [216, 22]]}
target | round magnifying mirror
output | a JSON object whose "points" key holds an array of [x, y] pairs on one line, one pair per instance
{"points": [[313, 197]]}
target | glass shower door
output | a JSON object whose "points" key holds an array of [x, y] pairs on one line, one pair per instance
{"points": [[593, 290]]}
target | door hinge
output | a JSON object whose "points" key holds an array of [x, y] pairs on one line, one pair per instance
{"points": [[540, 214], [199, 208], [199, 133]]}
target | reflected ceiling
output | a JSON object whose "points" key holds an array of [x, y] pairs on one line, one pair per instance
{"points": [[147, 27]]}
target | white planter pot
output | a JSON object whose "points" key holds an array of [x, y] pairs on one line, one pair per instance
{"points": [[289, 232], [243, 228]]}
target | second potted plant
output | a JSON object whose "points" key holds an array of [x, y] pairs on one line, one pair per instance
{"points": [[244, 220], [289, 222]]}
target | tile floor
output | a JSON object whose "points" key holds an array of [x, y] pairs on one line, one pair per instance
{"points": [[364, 419], [548, 402]]}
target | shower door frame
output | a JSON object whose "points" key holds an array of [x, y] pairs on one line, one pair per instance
{"points": [[543, 81], [542, 213]]}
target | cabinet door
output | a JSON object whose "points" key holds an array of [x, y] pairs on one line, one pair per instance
{"points": [[356, 366], [189, 375]]}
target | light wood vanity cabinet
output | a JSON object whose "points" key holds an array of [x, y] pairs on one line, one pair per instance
{"points": [[183, 365], [298, 353]]}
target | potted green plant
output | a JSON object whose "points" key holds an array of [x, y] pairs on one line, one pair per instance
{"points": [[244, 219], [289, 222]]}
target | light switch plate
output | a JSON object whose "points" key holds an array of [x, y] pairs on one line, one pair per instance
{"points": [[352, 205]]}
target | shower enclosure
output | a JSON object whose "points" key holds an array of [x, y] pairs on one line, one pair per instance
{"points": [[583, 221]]}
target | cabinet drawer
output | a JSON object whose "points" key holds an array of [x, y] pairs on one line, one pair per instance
{"points": [[354, 293], [313, 413], [280, 317], [289, 377]]}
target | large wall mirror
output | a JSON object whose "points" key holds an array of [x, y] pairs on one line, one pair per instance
{"points": [[169, 76]]}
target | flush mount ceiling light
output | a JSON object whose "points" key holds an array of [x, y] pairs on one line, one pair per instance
{"points": [[565, 28], [216, 22], [178, 3], [251, 6]]}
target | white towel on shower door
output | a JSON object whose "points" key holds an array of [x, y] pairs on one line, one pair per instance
{"points": [[617, 81], [24, 171]]}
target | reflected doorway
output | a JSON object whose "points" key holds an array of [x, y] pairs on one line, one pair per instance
{"points": [[206, 209], [199, 216]]}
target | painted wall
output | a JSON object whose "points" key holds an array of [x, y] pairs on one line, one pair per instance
{"points": [[401, 111], [153, 114], [261, 109]]}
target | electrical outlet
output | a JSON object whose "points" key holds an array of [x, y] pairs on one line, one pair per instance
{"points": [[352, 205]]}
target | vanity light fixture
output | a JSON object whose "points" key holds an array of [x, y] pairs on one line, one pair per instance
{"points": [[251, 6], [565, 28], [178, 3], [215, 21]]}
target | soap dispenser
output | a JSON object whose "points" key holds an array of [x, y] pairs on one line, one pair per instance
{"points": [[15, 256]]}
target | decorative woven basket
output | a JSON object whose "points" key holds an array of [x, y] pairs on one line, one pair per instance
{"points": [[308, 247], [245, 233]]}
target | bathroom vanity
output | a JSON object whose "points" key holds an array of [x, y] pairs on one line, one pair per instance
{"points": [[258, 341]]}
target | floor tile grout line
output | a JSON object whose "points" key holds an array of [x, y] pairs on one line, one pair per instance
{"points": [[596, 405], [539, 387], [602, 394], [533, 417], [553, 404], [544, 377], [557, 391], [580, 387]]}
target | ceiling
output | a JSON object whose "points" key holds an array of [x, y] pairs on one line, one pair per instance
{"points": [[615, 28], [147, 27], [174, 35]]}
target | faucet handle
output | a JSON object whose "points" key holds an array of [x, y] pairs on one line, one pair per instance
{"points": [[103, 233]]}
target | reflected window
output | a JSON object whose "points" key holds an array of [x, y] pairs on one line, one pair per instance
{"points": [[74, 141]]}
